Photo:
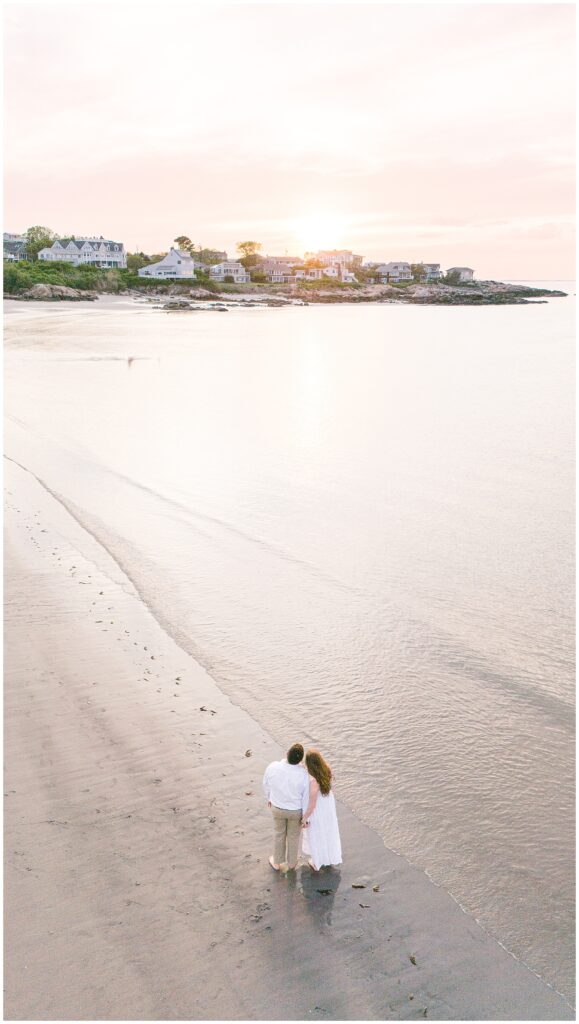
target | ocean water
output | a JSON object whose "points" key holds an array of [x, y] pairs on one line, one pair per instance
{"points": [[360, 519]]}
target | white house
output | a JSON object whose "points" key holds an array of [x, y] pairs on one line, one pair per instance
{"points": [[348, 277], [285, 261], [336, 272], [276, 272], [339, 272], [431, 271], [176, 265], [391, 273], [14, 247], [464, 273], [229, 268], [99, 252], [311, 274], [336, 257], [279, 269]]}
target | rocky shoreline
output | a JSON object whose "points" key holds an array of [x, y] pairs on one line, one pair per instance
{"points": [[184, 298]]}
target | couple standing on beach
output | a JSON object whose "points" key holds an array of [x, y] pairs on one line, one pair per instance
{"points": [[302, 804]]}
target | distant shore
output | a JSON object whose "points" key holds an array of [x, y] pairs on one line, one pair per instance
{"points": [[187, 295]]}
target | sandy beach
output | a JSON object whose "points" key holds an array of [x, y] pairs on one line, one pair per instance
{"points": [[136, 835]]}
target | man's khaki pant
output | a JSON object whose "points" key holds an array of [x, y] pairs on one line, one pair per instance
{"points": [[287, 825]]}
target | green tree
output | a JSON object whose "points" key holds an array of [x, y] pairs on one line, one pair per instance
{"points": [[184, 243], [37, 238], [209, 256], [248, 253], [418, 271], [452, 278], [136, 260]]}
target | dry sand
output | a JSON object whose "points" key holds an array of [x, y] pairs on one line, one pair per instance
{"points": [[136, 835]]}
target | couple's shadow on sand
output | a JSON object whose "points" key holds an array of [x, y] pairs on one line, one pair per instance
{"points": [[317, 889]]}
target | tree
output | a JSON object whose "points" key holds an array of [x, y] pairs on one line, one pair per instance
{"points": [[209, 256], [452, 277], [418, 271], [184, 243], [367, 275], [136, 260], [37, 238], [248, 253]]}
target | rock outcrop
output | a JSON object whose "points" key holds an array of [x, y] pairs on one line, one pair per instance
{"points": [[57, 292]]}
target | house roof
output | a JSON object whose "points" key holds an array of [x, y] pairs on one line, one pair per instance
{"points": [[389, 266], [460, 268], [94, 243], [14, 247], [184, 255], [283, 260]]}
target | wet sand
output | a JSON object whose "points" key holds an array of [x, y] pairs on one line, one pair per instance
{"points": [[136, 835]]}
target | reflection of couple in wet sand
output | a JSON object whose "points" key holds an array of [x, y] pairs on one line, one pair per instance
{"points": [[303, 805]]}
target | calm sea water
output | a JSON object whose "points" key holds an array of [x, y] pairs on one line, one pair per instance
{"points": [[360, 520]]}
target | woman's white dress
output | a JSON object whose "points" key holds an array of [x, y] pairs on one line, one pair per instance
{"points": [[321, 840]]}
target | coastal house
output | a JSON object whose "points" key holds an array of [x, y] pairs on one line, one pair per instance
{"points": [[310, 274], [430, 271], [340, 272], [275, 272], [464, 273], [176, 265], [280, 269], [229, 268], [96, 252], [392, 273], [14, 247], [336, 272], [334, 257], [348, 277], [291, 262]]}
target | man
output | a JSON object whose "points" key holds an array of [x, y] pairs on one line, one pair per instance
{"points": [[285, 783]]}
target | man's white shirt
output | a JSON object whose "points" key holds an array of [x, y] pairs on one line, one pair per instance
{"points": [[285, 784]]}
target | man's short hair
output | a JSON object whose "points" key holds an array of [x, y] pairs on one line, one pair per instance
{"points": [[295, 753]]}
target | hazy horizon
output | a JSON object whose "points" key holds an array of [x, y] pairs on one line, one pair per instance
{"points": [[442, 133]]}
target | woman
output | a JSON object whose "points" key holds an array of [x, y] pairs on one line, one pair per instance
{"points": [[320, 835]]}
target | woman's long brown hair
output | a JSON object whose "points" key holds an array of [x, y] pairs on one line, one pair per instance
{"points": [[319, 770]]}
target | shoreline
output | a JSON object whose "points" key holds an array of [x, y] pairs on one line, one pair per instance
{"points": [[153, 895], [183, 295]]}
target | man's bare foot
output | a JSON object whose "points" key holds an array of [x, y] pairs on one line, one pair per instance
{"points": [[312, 865], [275, 866], [291, 867]]}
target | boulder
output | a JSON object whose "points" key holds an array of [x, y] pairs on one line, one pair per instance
{"points": [[58, 291], [40, 291]]}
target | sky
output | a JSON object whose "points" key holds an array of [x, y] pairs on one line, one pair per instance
{"points": [[442, 133]]}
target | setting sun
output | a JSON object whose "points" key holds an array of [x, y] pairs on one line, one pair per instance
{"points": [[319, 231]]}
